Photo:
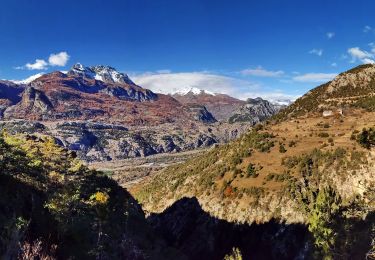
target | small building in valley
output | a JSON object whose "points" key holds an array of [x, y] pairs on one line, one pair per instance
{"points": [[327, 113]]}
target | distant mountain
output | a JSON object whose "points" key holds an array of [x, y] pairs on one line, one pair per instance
{"points": [[81, 106], [229, 109], [220, 105], [254, 111], [104, 73], [192, 91], [10, 94]]}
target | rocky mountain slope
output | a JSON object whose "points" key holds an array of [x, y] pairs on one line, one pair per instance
{"points": [[103, 73], [254, 111], [354, 88], [102, 142], [80, 107], [10, 94], [303, 167], [220, 105], [228, 109]]}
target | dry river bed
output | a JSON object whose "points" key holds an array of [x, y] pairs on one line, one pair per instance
{"points": [[128, 172]]}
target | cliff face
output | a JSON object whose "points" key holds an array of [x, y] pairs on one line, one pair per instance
{"points": [[254, 111], [106, 142]]}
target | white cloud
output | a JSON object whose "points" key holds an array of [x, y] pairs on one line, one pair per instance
{"points": [[315, 77], [58, 59], [367, 28], [260, 72], [330, 35], [169, 83], [318, 52], [28, 80], [357, 54], [334, 64], [37, 65], [55, 59]]}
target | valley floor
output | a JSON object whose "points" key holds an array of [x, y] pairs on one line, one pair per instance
{"points": [[129, 172]]}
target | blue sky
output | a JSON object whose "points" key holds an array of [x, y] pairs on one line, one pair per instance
{"points": [[243, 48]]}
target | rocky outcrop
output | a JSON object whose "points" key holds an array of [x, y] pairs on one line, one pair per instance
{"points": [[254, 111], [200, 113], [129, 93], [35, 100], [103, 142], [116, 84], [100, 72], [10, 93]]}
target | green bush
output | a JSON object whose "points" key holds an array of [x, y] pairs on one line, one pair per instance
{"points": [[251, 171], [282, 148], [270, 176], [366, 138], [323, 135]]}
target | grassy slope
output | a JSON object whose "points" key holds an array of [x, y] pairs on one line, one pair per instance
{"points": [[300, 167], [222, 171]]}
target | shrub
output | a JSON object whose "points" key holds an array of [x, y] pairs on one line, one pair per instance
{"points": [[251, 171], [258, 127], [323, 135], [326, 206], [234, 255], [282, 149], [270, 177], [366, 138]]}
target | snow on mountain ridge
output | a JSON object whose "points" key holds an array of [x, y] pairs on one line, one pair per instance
{"points": [[100, 72], [193, 90]]}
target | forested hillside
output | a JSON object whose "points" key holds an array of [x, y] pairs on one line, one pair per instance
{"points": [[51, 206]]}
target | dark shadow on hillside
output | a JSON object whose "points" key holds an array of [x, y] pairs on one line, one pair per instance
{"points": [[198, 235]]}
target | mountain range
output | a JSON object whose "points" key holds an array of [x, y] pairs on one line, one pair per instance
{"points": [[80, 106]]}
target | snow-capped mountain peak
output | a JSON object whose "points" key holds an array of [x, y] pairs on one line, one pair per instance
{"points": [[194, 91], [100, 72]]}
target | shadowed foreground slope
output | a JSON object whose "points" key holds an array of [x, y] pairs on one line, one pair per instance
{"points": [[52, 207]]}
